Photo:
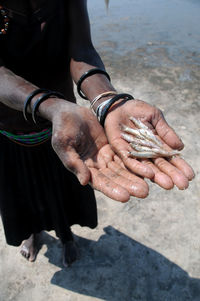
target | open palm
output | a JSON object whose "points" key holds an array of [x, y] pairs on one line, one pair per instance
{"points": [[164, 172]]}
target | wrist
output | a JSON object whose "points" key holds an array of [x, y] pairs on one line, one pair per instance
{"points": [[50, 107], [40, 103], [101, 98], [117, 103], [104, 108]]}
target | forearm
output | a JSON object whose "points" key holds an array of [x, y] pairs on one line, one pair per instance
{"points": [[83, 54], [95, 84], [14, 90]]}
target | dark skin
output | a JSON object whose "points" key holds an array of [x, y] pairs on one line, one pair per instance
{"points": [[95, 155]]}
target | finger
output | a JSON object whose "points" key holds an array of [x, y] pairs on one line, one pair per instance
{"points": [[136, 186], [118, 161], [72, 162], [138, 168], [106, 155], [160, 178], [183, 166], [167, 134], [177, 176], [108, 187], [122, 148]]}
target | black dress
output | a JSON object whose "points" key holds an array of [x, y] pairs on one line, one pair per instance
{"points": [[36, 191]]}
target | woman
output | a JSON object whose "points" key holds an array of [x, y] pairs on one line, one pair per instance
{"points": [[44, 47]]}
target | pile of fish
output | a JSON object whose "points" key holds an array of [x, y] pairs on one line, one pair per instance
{"points": [[144, 143]]}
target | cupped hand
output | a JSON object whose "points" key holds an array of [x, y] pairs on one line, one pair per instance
{"points": [[81, 144], [164, 172]]}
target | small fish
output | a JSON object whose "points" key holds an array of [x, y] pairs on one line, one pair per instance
{"points": [[128, 138], [141, 148], [133, 132], [146, 155], [160, 152], [165, 153], [139, 123], [149, 135], [137, 141]]}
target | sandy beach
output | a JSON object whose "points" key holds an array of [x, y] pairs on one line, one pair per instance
{"points": [[147, 250]]}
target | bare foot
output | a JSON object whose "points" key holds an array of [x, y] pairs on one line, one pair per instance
{"points": [[70, 253], [28, 248]]}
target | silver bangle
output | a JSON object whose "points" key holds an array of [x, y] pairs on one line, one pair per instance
{"points": [[108, 93], [100, 108]]}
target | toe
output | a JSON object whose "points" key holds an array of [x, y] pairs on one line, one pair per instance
{"points": [[25, 254]]}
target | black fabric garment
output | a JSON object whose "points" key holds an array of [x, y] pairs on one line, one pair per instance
{"points": [[38, 193], [32, 52]]}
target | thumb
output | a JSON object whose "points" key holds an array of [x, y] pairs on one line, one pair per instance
{"points": [[168, 135], [79, 168], [72, 162]]}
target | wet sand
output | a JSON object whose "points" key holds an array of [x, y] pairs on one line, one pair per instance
{"points": [[147, 249]]}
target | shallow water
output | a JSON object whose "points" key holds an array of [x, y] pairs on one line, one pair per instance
{"points": [[128, 25]]}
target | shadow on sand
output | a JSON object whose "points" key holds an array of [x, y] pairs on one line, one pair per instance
{"points": [[118, 268]]}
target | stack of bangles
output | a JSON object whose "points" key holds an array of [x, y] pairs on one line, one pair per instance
{"points": [[34, 138], [103, 108]]}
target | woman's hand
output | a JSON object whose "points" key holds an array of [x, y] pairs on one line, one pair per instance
{"points": [[164, 172], [80, 143]]}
